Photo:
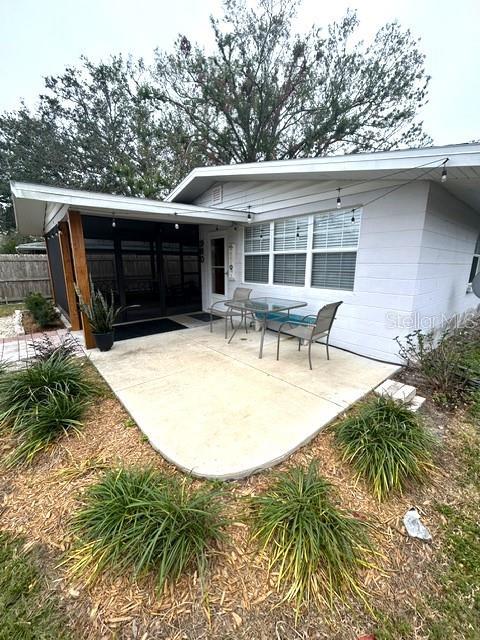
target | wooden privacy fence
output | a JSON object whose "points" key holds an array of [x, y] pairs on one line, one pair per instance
{"points": [[23, 274]]}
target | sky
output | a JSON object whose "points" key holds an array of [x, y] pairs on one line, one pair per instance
{"points": [[42, 37]]}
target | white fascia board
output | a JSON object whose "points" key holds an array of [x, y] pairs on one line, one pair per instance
{"points": [[466, 155], [57, 199]]}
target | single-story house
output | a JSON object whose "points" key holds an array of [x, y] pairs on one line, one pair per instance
{"points": [[394, 235]]}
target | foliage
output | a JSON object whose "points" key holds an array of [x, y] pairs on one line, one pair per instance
{"points": [[448, 361], [42, 424], [139, 520], [386, 443], [8, 309], [316, 548], [45, 348], [263, 93], [101, 314], [29, 611], [42, 309], [23, 389], [267, 93], [9, 242]]}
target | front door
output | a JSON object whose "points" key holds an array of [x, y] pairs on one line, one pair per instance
{"points": [[218, 269]]}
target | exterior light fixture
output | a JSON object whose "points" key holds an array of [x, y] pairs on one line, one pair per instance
{"points": [[339, 200], [114, 222], [353, 215], [444, 171], [249, 217], [177, 226]]}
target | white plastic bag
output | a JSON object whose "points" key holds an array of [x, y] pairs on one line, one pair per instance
{"points": [[414, 527]]}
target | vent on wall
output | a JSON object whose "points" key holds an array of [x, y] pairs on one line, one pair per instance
{"points": [[217, 194]]}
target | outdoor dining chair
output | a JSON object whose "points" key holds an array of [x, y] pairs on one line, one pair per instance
{"points": [[310, 331], [239, 294]]}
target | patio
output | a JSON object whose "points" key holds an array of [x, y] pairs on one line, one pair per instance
{"points": [[216, 410]]}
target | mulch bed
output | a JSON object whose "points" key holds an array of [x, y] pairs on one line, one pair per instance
{"points": [[30, 326], [239, 601]]}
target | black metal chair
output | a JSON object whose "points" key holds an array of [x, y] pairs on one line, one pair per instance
{"points": [[310, 331]]}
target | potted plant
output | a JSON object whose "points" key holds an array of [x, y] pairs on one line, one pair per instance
{"points": [[101, 314]]}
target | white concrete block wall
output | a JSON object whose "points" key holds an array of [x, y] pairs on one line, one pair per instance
{"points": [[383, 301], [448, 242]]}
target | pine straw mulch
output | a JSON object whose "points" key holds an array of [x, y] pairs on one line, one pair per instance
{"points": [[239, 599]]}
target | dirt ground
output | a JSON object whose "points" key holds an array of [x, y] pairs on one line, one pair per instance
{"points": [[239, 600]]}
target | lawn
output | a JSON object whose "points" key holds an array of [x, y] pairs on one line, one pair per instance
{"points": [[8, 309], [416, 590]]}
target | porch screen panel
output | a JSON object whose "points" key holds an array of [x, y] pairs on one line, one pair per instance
{"points": [[334, 270], [56, 271], [289, 268]]}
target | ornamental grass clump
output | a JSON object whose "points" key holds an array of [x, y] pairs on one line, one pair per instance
{"points": [[140, 521], [387, 445], [315, 549], [42, 402]]}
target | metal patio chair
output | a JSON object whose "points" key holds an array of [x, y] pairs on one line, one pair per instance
{"points": [[240, 294], [310, 331]]}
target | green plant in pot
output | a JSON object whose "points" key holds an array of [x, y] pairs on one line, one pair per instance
{"points": [[101, 314]]}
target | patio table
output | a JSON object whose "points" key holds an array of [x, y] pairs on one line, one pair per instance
{"points": [[261, 307]]}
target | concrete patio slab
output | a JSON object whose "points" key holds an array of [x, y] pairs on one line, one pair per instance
{"points": [[215, 410]]}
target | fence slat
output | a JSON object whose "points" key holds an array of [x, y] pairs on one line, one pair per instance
{"points": [[22, 274]]}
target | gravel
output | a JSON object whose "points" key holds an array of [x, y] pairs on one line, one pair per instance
{"points": [[7, 327]]}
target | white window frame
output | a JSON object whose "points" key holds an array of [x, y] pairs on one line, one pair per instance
{"points": [[309, 251]]}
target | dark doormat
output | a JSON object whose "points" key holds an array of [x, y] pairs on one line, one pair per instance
{"points": [[203, 316], [148, 328]]}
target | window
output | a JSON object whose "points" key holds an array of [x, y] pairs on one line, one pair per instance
{"points": [[335, 242], [315, 251], [475, 262], [257, 252], [290, 241]]}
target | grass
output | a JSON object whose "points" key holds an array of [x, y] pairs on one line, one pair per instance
{"points": [[449, 607], [315, 548], [140, 521], [28, 611], [43, 401], [42, 424], [8, 309], [386, 443]]}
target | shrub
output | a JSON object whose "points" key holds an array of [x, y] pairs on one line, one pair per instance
{"points": [[386, 443], [139, 520], [22, 390], [316, 548], [449, 362], [45, 348], [42, 310], [100, 312], [42, 424]]}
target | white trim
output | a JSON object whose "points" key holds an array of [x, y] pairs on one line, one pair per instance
{"points": [[463, 155]]}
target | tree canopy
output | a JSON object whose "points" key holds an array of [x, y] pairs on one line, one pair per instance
{"points": [[262, 93]]}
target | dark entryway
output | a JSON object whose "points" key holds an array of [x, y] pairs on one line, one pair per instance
{"points": [[150, 264]]}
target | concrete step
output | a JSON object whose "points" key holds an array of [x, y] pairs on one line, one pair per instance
{"points": [[417, 403], [396, 390]]}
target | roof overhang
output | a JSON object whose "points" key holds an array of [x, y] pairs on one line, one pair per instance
{"points": [[38, 208], [389, 166]]}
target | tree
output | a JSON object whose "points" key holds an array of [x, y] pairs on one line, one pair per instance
{"points": [[266, 94], [94, 128]]}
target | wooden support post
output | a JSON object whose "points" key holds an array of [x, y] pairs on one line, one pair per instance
{"points": [[69, 276], [81, 269]]}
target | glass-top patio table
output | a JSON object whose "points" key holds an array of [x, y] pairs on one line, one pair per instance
{"points": [[261, 307]]}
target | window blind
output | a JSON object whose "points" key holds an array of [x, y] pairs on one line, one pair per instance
{"points": [[257, 238], [289, 268], [336, 230], [291, 234], [334, 270], [256, 268]]}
